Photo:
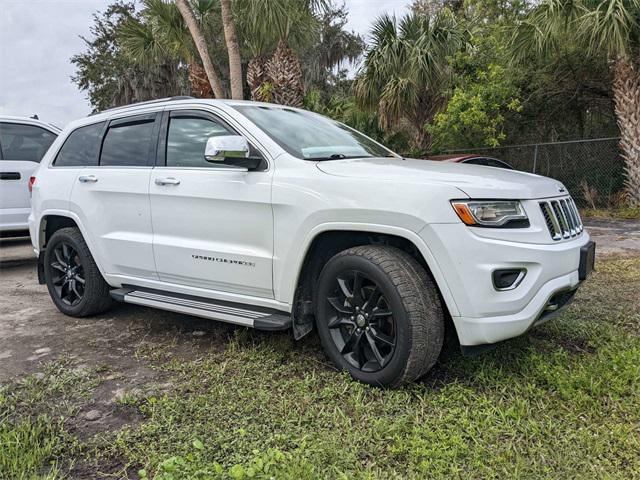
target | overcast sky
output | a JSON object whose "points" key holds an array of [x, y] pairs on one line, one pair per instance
{"points": [[38, 37]]}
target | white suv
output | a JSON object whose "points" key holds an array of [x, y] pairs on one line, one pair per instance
{"points": [[274, 218], [23, 143]]}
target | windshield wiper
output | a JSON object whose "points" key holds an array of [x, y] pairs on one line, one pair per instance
{"points": [[337, 156]]}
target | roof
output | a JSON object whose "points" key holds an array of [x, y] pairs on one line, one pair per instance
{"points": [[159, 104], [30, 121]]}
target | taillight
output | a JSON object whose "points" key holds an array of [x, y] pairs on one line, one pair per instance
{"points": [[32, 182]]}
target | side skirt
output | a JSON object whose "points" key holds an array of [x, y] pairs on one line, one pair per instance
{"points": [[240, 314]]}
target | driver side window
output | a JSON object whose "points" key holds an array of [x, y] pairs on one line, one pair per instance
{"points": [[187, 139]]}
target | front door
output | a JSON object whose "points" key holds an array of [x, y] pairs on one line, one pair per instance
{"points": [[112, 198], [212, 224]]}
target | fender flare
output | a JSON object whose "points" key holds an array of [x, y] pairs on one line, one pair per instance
{"points": [[78, 222], [409, 235]]}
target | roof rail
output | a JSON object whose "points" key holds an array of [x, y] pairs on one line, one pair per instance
{"points": [[148, 102]]}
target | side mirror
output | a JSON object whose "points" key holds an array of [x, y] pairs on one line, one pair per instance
{"points": [[226, 148]]}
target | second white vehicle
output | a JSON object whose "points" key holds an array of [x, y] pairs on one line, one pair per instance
{"points": [[23, 143], [274, 218]]}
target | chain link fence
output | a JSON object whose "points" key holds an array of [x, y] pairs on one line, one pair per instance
{"points": [[592, 170]]}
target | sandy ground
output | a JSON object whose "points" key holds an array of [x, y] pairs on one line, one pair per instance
{"points": [[32, 331]]}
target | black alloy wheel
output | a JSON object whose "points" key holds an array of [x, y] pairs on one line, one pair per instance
{"points": [[378, 315], [67, 274], [362, 325], [72, 276]]}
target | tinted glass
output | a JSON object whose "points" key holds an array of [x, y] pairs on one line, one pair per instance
{"points": [[127, 145], [310, 136], [489, 162], [187, 139], [24, 142], [81, 147]]}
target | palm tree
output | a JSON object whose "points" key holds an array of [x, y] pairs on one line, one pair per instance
{"points": [[406, 74], [269, 24], [160, 36], [235, 61], [606, 27], [201, 45]]}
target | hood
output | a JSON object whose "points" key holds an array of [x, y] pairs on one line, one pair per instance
{"points": [[474, 180]]}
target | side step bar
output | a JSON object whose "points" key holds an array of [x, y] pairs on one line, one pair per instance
{"points": [[247, 315]]}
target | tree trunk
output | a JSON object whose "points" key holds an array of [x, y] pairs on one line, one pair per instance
{"points": [[256, 77], [235, 62], [285, 74], [626, 93], [200, 86], [201, 45]]}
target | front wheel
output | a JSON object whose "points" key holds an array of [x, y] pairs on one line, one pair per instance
{"points": [[379, 315], [73, 279]]}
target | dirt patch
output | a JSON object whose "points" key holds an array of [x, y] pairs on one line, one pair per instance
{"points": [[614, 236], [121, 344]]}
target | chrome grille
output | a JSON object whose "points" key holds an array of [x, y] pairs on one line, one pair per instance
{"points": [[562, 218]]}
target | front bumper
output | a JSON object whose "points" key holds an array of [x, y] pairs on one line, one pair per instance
{"points": [[488, 316]]}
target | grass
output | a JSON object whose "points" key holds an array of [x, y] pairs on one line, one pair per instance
{"points": [[32, 420], [561, 402], [624, 213]]}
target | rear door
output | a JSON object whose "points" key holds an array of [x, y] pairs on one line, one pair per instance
{"points": [[112, 197], [213, 225], [22, 146]]}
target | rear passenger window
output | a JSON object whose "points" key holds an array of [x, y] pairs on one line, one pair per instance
{"points": [[128, 144], [24, 142], [81, 147]]}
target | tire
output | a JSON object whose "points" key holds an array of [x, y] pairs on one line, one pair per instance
{"points": [[67, 262], [406, 324]]}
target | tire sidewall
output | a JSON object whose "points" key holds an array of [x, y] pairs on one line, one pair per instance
{"points": [[56, 239], [396, 367]]}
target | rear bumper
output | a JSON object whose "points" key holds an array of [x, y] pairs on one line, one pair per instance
{"points": [[486, 315]]}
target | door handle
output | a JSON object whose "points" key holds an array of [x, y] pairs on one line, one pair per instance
{"points": [[10, 176], [167, 181], [88, 178]]}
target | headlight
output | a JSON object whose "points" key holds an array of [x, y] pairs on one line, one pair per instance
{"points": [[491, 213]]}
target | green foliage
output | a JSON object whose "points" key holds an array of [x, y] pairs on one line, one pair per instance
{"points": [[32, 430], [405, 75], [342, 106], [475, 114], [25, 447], [610, 27], [262, 23], [266, 465], [110, 76], [333, 48], [626, 213]]}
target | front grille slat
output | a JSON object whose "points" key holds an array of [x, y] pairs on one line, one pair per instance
{"points": [[567, 214], [562, 218]]}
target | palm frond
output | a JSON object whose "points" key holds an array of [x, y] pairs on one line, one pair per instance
{"points": [[140, 43]]}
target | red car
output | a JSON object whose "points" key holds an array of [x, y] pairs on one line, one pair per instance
{"points": [[472, 159]]}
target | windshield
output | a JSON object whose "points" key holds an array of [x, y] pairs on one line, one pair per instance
{"points": [[310, 136]]}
